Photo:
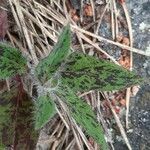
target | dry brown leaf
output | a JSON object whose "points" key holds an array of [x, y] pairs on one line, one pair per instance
{"points": [[74, 15], [125, 56], [88, 10], [122, 102], [126, 41]]}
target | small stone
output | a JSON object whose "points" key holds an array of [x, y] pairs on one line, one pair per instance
{"points": [[130, 131], [142, 26], [144, 120], [148, 50], [145, 64]]}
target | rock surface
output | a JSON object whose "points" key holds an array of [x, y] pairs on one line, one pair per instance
{"points": [[139, 136]]}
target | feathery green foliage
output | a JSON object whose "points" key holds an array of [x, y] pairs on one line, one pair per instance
{"points": [[50, 64], [85, 73], [45, 109], [83, 114], [79, 72], [11, 61]]}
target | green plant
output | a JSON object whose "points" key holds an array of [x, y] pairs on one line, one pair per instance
{"points": [[12, 62], [16, 119], [61, 74], [44, 109]]}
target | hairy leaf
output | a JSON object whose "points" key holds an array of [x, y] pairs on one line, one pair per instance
{"points": [[11, 61], [84, 73], [50, 64], [16, 120], [45, 109], [83, 114]]}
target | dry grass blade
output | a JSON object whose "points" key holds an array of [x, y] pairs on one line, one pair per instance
{"points": [[115, 16], [110, 41], [91, 52], [112, 20], [58, 17], [25, 30], [62, 118], [101, 119], [71, 145], [76, 130], [122, 131], [93, 9], [128, 91], [128, 94], [14, 41], [14, 14], [97, 47], [8, 84], [81, 11], [80, 41], [101, 18], [78, 35], [78, 140], [37, 23], [89, 147]]}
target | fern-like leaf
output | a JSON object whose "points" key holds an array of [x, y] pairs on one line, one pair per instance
{"points": [[45, 109], [11, 61], [50, 64], [83, 114], [84, 73]]}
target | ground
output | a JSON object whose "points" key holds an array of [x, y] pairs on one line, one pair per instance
{"points": [[140, 105], [139, 119]]}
